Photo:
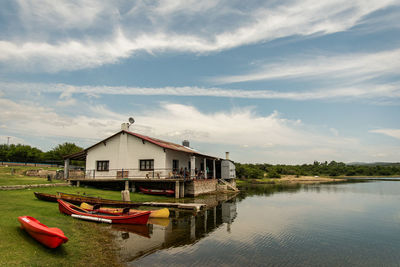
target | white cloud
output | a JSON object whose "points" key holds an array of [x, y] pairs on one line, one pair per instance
{"points": [[55, 38], [61, 14], [383, 93], [389, 132], [358, 67], [250, 137], [30, 119]]}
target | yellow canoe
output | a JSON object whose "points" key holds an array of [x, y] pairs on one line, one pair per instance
{"points": [[161, 213]]}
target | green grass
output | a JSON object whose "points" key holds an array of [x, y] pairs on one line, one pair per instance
{"points": [[18, 178], [89, 244]]}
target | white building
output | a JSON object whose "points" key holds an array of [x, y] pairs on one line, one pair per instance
{"points": [[134, 156]]}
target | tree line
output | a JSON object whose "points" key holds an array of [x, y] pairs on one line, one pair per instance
{"points": [[28, 154], [333, 168]]}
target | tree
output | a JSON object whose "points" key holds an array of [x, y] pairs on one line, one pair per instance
{"points": [[57, 153]]}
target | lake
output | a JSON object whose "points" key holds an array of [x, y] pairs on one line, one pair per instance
{"points": [[344, 224]]}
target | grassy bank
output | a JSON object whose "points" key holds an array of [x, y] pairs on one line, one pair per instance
{"points": [[15, 175], [89, 244]]}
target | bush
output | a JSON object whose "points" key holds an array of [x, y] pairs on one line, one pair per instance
{"points": [[273, 174]]}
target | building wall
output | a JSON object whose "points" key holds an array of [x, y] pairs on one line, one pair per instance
{"points": [[124, 151], [183, 158], [198, 187], [107, 150]]}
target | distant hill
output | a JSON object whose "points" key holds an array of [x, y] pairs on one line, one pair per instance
{"points": [[374, 163]]}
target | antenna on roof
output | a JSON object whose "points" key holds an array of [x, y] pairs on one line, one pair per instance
{"points": [[131, 121]]}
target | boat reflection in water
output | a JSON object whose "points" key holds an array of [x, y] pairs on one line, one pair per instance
{"points": [[183, 229]]}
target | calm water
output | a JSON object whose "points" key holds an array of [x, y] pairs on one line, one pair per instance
{"points": [[352, 224]]}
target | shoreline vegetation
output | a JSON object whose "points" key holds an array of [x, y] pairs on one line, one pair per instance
{"points": [[332, 170], [292, 179]]}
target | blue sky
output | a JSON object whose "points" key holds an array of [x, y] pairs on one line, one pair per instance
{"points": [[269, 81]]}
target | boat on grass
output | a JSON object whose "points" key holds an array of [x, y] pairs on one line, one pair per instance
{"points": [[49, 236], [149, 191], [160, 213], [78, 199], [124, 218]]}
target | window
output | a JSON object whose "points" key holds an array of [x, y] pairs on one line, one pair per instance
{"points": [[147, 164], [102, 165], [175, 165]]}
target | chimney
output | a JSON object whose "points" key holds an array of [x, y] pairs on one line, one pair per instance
{"points": [[186, 143], [227, 155], [125, 126]]}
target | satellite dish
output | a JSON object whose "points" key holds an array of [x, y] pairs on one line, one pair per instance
{"points": [[131, 120]]}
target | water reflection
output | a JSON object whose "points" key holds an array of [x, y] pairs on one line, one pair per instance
{"points": [[346, 224], [183, 229]]}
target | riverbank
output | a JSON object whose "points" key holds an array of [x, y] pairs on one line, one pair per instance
{"points": [[90, 244], [292, 179]]}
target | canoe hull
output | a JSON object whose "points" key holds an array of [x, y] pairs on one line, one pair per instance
{"points": [[50, 237], [166, 192], [130, 218], [78, 199], [161, 213]]}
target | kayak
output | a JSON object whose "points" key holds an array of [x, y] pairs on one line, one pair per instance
{"points": [[156, 191], [161, 213], [125, 218], [50, 237]]}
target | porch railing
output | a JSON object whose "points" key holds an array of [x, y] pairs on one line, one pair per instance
{"points": [[143, 174]]}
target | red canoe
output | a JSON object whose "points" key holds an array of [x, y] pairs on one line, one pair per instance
{"points": [[50, 237], [156, 191], [128, 218]]}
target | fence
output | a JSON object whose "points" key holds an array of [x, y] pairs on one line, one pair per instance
{"points": [[144, 174], [3, 163]]}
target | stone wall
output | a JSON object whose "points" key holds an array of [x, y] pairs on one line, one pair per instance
{"points": [[59, 174], [41, 173], [198, 187]]}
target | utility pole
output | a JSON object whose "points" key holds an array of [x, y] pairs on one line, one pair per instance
{"points": [[8, 140]]}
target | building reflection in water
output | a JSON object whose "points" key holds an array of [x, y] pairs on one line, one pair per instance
{"points": [[182, 229]]}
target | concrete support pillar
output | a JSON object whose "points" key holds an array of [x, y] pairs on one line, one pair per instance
{"points": [[126, 185], [133, 188], [177, 189], [125, 195], [192, 228], [78, 183], [192, 166], [215, 216], [182, 189], [205, 168], [205, 221], [66, 169], [214, 170]]}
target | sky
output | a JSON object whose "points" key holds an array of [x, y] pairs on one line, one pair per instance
{"points": [[284, 81]]}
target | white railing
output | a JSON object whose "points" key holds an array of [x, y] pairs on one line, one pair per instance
{"points": [[143, 174]]}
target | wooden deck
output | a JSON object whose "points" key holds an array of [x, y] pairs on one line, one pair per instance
{"points": [[144, 180]]}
